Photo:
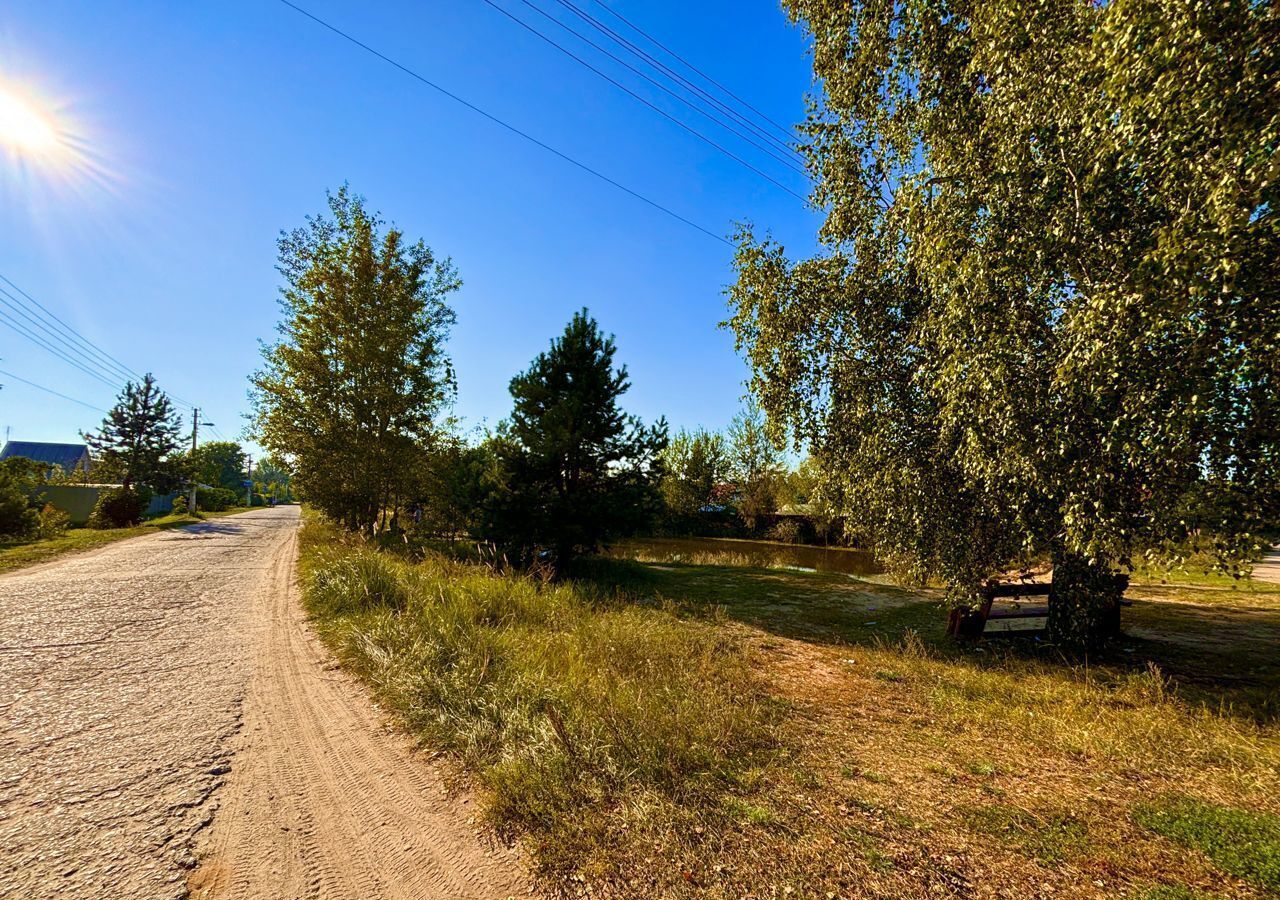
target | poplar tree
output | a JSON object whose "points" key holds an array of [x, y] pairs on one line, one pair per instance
{"points": [[351, 394], [1044, 321]]}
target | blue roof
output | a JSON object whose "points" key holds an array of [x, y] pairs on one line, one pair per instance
{"points": [[67, 456]]}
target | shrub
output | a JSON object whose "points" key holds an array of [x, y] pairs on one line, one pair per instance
{"points": [[179, 505], [17, 518], [53, 521], [215, 499], [119, 508], [785, 530]]}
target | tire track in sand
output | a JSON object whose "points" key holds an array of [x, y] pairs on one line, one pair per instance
{"points": [[323, 801]]}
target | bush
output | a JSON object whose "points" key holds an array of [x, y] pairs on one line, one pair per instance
{"points": [[786, 531], [52, 521], [17, 518], [216, 499], [119, 508], [179, 505]]}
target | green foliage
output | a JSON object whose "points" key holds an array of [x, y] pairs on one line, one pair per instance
{"points": [[693, 463], [119, 507], [755, 463], [17, 518], [138, 436], [217, 499], [52, 522], [578, 471], [219, 464], [1044, 321], [350, 394], [788, 531], [1245, 844], [456, 483], [273, 478]]}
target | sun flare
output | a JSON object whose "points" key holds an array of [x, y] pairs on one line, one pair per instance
{"points": [[25, 129]]}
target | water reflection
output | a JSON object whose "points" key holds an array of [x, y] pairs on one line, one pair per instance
{"points": [[761, 554]]}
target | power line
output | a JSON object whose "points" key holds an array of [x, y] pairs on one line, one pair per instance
{"points": [[41, 387], [513, 129], [41, 342], [669, 72], [108, 374], [124, 370], [54, 342], [771, 150], [653, 106], [688, 65]]}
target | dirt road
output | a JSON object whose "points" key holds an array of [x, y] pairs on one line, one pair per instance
{"points": [[1268, 568], [125, 676]]}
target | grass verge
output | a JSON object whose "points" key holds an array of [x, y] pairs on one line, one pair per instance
{"points": [[19, 555], [615, 739], [667, 729]]}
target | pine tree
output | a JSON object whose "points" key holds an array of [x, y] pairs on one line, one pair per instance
{"points": [[580, 472], [138, 435]]}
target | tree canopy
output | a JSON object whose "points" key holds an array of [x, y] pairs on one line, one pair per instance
{"points": [[755, 463], [351, 394], [578, 470], [1045, 318], [693, 463], [138, 436], [221, 464]]}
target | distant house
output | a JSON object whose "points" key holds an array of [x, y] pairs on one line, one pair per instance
{"points": [[68, 457]]}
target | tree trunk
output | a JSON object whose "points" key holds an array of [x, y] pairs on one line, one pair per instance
{"points": [[1084, 605]]}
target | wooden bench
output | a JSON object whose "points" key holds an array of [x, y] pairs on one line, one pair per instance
{"points": [[1017, 608]]}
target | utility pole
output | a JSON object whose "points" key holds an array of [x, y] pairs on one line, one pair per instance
{"points": [[195, 430], [248, 492]]}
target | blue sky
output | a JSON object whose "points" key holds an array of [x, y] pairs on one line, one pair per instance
{"points": [[204, 128]]}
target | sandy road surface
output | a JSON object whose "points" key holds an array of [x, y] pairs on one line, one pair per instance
{"points": [[324, 802], [125, 674], [1268, 568]]}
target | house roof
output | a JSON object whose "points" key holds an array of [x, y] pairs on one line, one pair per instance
{"points": [[67, 456]]}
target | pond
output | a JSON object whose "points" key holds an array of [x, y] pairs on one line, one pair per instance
{"points": [[760, 554]]}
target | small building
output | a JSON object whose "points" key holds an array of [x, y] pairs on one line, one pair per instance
{"points": [[68, 457]]}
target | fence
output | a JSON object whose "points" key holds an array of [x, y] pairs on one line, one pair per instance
{"points": [[78, 500]]}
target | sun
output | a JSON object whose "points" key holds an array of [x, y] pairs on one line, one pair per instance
{"points": [[25, 129]]}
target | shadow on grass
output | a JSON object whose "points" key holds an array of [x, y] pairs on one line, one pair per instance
{"points": [[1224, 657]]}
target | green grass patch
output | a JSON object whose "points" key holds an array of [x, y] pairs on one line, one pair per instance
{"points": [[1171, 892], [1242, 843], [1051, 838], [20, 554]]}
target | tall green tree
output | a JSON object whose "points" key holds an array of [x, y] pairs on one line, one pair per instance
{"points": [[1045, 320], [273, 479], [138, 436], [693, 463], [755, 463], [219, 464], [579, 471], [353, 391]]}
